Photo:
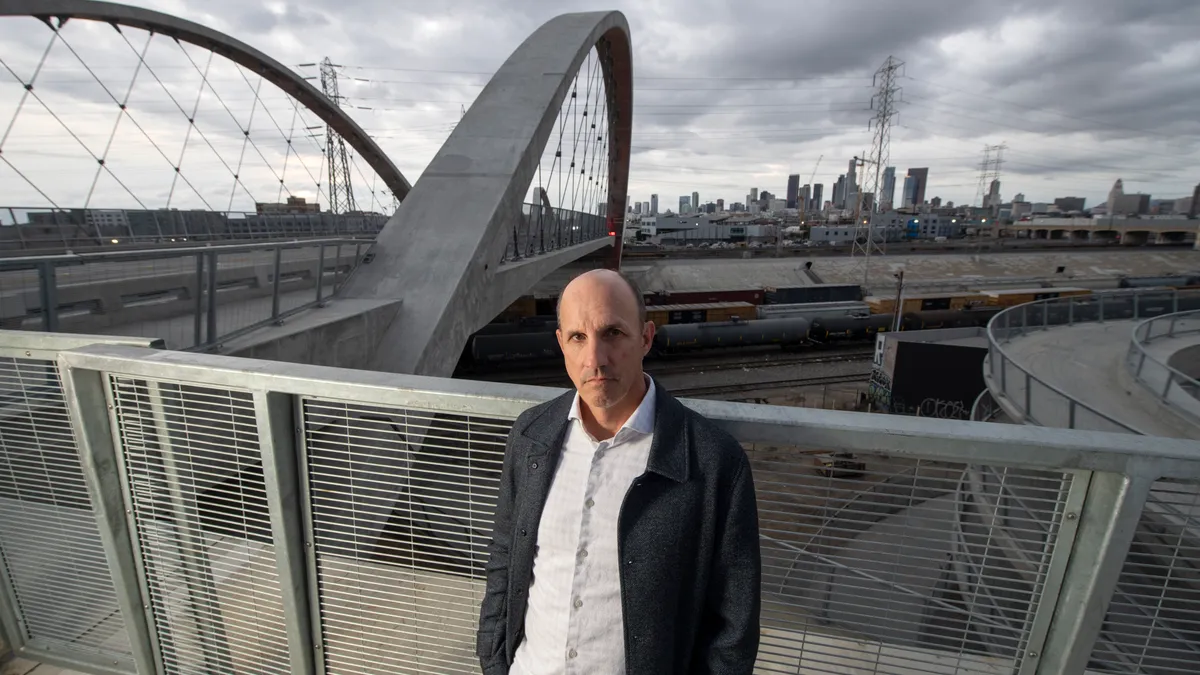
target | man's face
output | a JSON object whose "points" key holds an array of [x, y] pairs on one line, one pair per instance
{"points": [[602, 338]]}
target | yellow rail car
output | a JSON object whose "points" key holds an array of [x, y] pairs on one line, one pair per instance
{"points": [[705, 312], [1010, 297]]}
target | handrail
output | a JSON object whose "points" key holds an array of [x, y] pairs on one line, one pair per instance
{"points": [[1004, 321], [33, 261], [1142, 336]]}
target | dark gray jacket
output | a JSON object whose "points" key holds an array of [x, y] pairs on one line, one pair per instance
{"points": [[687, 536]]}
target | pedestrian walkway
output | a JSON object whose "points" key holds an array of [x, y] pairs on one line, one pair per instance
{"points": [[1087, 362]]}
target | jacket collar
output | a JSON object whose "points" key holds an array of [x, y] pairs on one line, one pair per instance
{"points": [[669, 451]]}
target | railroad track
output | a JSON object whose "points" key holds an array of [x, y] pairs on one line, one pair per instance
{"points": [[694, 365], [743, 387]]}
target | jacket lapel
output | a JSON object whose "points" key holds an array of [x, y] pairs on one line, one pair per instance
{"points": [[669, 456]]}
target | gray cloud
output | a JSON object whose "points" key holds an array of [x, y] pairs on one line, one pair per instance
{"points": [[734, 95]]}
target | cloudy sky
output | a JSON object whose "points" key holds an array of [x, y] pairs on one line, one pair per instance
{"points": [[728, 95]]}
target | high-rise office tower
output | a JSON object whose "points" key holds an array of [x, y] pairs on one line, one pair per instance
{"points": [[654, 205], [920, 179], [696, 200], [793, 190], [818, 202], [906, 192], [685, 203], [720, 204], [887, 194], [839, 192]]}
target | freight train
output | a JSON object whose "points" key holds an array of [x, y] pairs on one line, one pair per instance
{"points": [[836, 314], [537, 341]]}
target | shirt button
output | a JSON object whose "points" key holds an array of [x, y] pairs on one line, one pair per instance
{"points": [[533, 466], [589, 503], [578, 603], [583, 553], [572, 654], [523, 532]]}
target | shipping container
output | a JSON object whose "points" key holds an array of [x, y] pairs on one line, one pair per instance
{"points": [[663, 315], [792, 295], [1010, 297], [754, 296], [926, 302], [813, 309]]}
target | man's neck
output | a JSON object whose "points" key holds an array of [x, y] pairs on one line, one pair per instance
{"points": [[604, 424]]}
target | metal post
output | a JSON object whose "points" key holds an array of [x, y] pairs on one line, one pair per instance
{"points": [[1028, 393], [1024, 319], [1136, 305], [1060, 556], [198, 307], [211, 336], [48, 296], [1101, 309], [87, 396], [192, 550], [337, 265], [1071, 312], [1107, 524], [1174, 302], [277, 433], [1167, 386], [1171, 328], [275, 284], [321, 276]]}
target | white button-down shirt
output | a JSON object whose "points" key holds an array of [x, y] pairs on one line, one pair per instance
{"points": [[573, 620]]}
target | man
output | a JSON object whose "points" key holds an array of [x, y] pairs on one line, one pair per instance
{"points": [[626, 531]]}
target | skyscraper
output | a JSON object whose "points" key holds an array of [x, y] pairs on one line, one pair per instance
{"points": [[753, 194], [654, 205], [1114, 196], [793, 190], [818, 203], [720, 204], [803, 197], [685, 204], [907, 192], [920, 178], [887, 195], [696, 201], [992, 200], [839, 193]]}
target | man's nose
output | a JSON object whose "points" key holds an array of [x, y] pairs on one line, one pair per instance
{"points": [[595, 354]]}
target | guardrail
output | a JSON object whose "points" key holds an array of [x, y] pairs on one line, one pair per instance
{"points": [[1027, 397], [1173, 388], [60, 230], [264, 517], [543, 229], [194, 298]]}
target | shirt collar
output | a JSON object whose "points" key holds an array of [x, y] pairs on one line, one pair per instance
{"points": [[642, 419]]}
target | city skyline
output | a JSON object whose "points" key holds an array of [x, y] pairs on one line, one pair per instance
{"points": [[1080, 97]]}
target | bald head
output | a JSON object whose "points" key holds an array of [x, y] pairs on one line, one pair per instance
{"points": [[607, 286]]}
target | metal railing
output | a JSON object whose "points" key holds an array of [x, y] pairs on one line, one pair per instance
{"points": [[264, 517], [1175, 389], [193, 298], [46, 230], [1028, 397], [542, 229]]}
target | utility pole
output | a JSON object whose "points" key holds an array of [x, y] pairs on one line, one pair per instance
{"points": [[883, 102], [341, 192]]}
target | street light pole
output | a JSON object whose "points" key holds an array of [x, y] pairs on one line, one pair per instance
{"points": [[896, 314]]}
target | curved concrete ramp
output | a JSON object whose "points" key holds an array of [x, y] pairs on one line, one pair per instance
{"points": [[440, 254]]}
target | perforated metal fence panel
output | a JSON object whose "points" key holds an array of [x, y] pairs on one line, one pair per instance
{"points": [[1153, 621], [49, 539], [401, 508], [192, 460], [899, 566]]}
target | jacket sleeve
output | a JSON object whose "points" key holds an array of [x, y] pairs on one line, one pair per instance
{"points": [[490, 642], [728, 640]]}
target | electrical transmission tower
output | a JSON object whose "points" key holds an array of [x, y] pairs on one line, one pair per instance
{"points": [[341, 192], [883, 102]]}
